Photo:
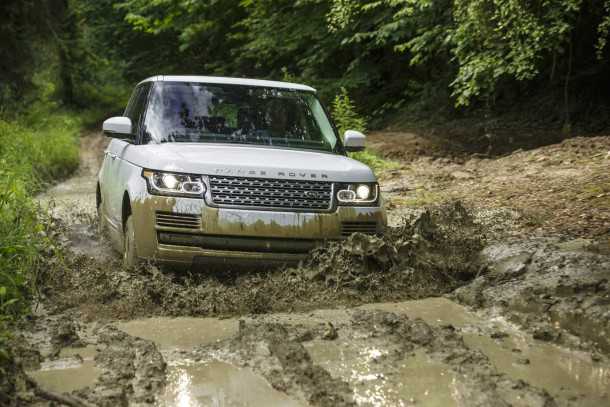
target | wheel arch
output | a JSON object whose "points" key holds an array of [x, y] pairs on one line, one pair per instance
{"points": [[98, 195], [125, 210]]}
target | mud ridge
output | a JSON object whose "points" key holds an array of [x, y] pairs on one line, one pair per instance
{"points": [[480, 383], [547, 286], [294, 373], [133, 370]]}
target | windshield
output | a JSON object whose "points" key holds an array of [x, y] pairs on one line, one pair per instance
{"points": [[211, 113]]}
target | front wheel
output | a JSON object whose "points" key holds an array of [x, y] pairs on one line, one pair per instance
{"points": [[130, 258]]}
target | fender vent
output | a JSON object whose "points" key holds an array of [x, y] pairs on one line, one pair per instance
{"points": [[178, 220], [369, 228]]}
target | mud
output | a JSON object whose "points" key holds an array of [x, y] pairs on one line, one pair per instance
{"points": [[431, 254], [424, 352], [382, 358], [549, 287], [335, 330]]}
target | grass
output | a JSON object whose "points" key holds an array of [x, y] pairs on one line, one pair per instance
{"points": [[36, 148], [374, 161], [420, 198]]}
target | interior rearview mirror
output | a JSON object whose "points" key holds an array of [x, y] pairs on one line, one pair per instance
{"points": [[118, 127], [353, 140]]}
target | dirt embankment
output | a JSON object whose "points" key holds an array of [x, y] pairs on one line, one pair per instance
{"points": [[561, 189]]}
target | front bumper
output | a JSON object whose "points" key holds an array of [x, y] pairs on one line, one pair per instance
{"points": [[186, 231]]}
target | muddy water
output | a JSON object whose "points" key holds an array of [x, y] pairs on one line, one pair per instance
{"points": [[363, 361], [66, 375], [564, 374], [216, 383], [416, 379], [73, 370], [180, 333], [366, 363], [435, 311], [211, 382], [359, 360]]}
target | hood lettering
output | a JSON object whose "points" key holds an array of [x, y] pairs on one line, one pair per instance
{"points": [[279, 174]]}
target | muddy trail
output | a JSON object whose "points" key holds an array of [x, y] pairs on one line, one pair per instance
{"points": [[445, 309]]}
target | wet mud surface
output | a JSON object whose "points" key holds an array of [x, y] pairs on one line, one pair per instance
{"points": [[441, 311], [429, 255], [548, 286]]}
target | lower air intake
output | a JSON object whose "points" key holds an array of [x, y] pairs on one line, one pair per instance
{"points": [[178, 220], [368, 228]]}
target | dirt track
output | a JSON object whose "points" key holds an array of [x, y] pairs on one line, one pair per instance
{"points": [[363, 323]]}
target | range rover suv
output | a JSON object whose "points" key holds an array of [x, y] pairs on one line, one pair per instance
{"points": [[210, 169]]}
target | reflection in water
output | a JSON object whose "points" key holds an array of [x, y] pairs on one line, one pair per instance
{"points": [[219, 384], [180, 333], [561, 372], [415, 380], [183, 387]]}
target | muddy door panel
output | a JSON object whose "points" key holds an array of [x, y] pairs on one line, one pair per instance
{"points": [[114, 186]]}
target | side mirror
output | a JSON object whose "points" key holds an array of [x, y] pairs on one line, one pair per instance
{"points": [[118, 127], [353, 140]]}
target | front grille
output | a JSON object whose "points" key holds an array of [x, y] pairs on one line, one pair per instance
{"points": [[369, 228], [271, 193], [178, 220]]}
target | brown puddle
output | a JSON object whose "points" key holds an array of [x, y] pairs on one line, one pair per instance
{"points": [[415, 380], [74, 370], [219, 384], [180, 333], [365, 362], [434, 310], [205, 383], [563, 373]]}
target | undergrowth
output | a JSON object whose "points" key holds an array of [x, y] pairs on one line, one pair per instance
{"points": [[36, 148]]}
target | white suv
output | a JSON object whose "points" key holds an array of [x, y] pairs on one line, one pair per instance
{"points": [[210, 169]]}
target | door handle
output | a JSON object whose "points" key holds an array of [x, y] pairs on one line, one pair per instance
{"points": [[113, 156]]}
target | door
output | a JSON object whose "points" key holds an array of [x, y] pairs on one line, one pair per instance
{"points": [[116, 185]]}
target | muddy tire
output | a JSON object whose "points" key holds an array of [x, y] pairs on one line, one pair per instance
{"points": [[130, 258]]}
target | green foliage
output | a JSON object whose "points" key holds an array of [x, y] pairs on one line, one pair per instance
{"points": [[345, 115], [347, 118], [472, 51], [40, 148], [497, 39], [603, 30], [374, 161]]}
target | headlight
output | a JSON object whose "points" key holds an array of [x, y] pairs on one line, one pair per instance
{"points": [[356, 194], [172, 184]]}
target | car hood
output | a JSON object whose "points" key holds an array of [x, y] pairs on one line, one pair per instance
{"points": [[249, 161]]}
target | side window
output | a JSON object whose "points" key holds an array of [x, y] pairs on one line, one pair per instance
{"points": [[132, 102], [136, 106]]}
